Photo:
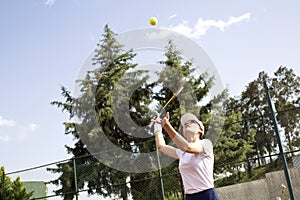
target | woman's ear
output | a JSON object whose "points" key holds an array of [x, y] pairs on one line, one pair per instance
{"points": [[201, 136]]}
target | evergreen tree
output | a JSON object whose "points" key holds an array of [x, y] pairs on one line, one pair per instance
{"points": [[249, 131], [93, 108], [284, 91], [255, 112], [286, 96], [178, 72], [12, 190], [233, 145]]}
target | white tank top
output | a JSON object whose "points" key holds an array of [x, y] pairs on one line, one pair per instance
{"points": [[197, 169]]}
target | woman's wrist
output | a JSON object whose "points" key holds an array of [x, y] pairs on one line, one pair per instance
{"points": [[157, 132], [166, 124], [157, 128]]}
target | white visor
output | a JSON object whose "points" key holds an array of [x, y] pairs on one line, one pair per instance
{"points": [[188, 116]]}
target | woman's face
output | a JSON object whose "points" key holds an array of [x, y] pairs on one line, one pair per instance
{"points": [[191, 130]]}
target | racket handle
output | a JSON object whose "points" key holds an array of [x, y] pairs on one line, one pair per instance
{"points": [[151, 125], [154, 118]]}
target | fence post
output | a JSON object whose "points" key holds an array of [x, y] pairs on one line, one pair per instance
{"points": [[75, 177], [285, 167]]}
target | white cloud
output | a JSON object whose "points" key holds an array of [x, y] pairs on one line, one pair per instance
{"points": [[49, 2], [158, 35], [202, 25], [26, 131], [6, 122], [172, 16], [4, 138], [32, 127], [10, 130]]}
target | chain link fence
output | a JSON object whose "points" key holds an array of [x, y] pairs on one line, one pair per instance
{"points": [[246, 168], [259, 178]]}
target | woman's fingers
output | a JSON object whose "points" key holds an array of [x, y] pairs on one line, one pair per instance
{"points": [[158, 121]]}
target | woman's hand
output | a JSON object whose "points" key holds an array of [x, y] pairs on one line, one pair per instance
{"points": [[165, 120], [159, 123], [157, 126]]}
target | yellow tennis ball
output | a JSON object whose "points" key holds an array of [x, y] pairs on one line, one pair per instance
{"points": [[153, 21]]}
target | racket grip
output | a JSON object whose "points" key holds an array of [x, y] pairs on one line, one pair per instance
{"points": [[151, 125], [154, 118]]}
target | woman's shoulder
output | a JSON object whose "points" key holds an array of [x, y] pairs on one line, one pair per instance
{"points": [[207, 145]]}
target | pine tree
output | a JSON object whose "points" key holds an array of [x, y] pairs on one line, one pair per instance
{"points": [[233, 145], [93, 108], [286, 96], [177, 73], [13, 190], [255, 112], [248, 132]]}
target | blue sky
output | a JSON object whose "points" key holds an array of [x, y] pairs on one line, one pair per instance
{"points": [[45, 42]]}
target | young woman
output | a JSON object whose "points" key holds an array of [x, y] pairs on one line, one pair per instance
{"points": [[195, 154]]}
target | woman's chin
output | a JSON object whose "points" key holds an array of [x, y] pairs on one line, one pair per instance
{"points": [[189, 135], [189, 132]]}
